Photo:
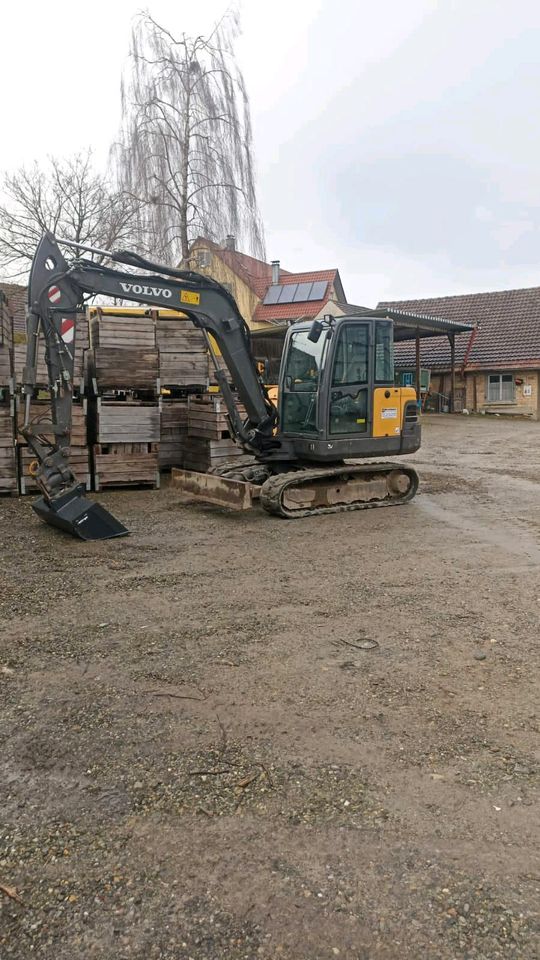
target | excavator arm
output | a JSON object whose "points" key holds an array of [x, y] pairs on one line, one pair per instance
{"points": [[57, 291]]}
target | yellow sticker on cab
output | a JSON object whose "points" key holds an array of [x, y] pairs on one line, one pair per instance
{"points": [[188, 296]]}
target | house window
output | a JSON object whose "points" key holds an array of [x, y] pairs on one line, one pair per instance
{"points": [[501, 388], [203, 258]]}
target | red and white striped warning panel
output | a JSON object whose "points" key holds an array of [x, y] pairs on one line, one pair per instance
{"points": [[67, 330], [54, 294]]}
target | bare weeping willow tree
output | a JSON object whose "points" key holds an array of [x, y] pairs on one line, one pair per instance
{"points": [[185, 146]]}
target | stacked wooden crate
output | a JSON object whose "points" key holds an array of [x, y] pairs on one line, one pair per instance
{"points": [[8, 459], [174, 428], [40, 409], [6, 345], [127, 442], [123, 353], [123, 369], [79, 459], [183, 355], [209, 442]]}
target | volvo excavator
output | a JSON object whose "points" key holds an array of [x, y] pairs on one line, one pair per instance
{"points": [[337, 399]]}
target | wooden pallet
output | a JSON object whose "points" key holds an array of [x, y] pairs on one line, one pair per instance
{"points": [[79, 461], [132, 421], [124, 332], [125, 464]]}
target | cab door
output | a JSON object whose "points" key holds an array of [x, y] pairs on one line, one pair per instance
{"points": [[350, 401]]}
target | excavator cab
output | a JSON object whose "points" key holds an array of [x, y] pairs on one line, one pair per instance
{"points": [[337, 397]]}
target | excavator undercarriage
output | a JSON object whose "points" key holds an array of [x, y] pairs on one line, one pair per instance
{"points": [[311, 491]]}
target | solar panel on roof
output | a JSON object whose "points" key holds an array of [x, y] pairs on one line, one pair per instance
{"points": [[287, 292], [318, 290], [273, 292], [303, 292]]}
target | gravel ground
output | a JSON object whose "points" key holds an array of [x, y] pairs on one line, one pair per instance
{"points": [[199, 760]]}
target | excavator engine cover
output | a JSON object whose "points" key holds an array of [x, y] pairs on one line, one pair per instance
{"points": [[75, 514]]}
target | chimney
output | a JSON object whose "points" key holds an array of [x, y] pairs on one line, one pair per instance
{"points": [[275, 271], [230, 242]]}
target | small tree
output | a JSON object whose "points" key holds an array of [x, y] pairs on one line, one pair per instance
{"points": [[185, 149], [67, 197]]}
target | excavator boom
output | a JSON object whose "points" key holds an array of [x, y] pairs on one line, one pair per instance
{"points": [[57, 292]]}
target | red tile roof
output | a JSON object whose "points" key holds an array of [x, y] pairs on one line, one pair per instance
{"points": [[508, 334], [257, 275], [307, 308]]}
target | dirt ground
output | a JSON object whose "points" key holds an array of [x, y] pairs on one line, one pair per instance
{"points": [[203, 757]]}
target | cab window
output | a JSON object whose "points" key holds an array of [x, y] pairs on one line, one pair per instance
{"points": [[351, 359], [384, 352]]}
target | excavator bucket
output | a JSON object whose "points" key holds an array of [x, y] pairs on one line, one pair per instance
{"points": [[74, 514]]}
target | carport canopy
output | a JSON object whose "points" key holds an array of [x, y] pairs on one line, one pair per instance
{"points": [[407, 326]]}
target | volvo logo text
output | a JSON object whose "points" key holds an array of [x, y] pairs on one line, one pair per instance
{"points": [[146, 291]]}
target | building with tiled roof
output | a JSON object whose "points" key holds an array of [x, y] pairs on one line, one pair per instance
{"points": [[265, 292], [499, 361], [15, 295]]}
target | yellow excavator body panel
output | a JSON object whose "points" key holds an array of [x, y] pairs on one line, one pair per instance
{"points": [[389, 408]]}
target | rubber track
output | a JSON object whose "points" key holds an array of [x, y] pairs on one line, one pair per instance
{"points": [[272, 490]]}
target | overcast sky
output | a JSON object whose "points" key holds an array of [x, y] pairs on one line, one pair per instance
{"points": [[398, 141]]}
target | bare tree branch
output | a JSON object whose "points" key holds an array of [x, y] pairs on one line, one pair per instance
{"points": [[67, 197]]}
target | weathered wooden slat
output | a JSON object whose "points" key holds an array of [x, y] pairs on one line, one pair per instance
{"points": [[183, 369], [127, 422], [132, 369], [6, 365], [118, 465], [201, 453], [128, 332]]}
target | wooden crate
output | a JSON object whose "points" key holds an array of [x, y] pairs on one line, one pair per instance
{"points": [[6, 367], [111, 368], [174, 420], [207, 417], [8, 470], [176, 335], [201, 454], [79, 461], [8, 462], [124, 332], [133, 421], [80, 346], [125, 464], [183, 369], [40, 410], [183, 355]]}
